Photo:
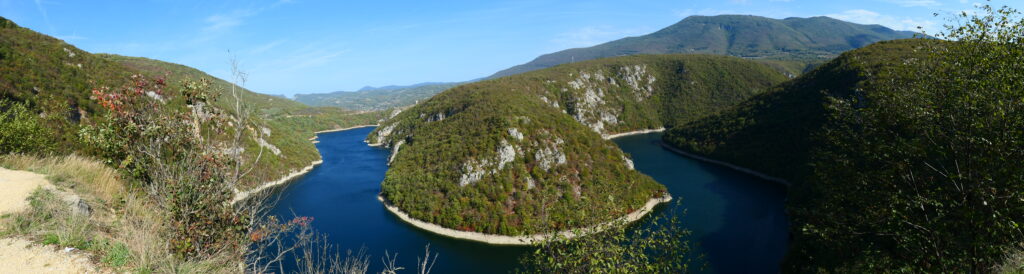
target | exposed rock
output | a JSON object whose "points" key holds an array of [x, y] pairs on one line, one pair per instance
{"points": [[155, 96], [515, 133], [394, 151], [81, 208], [506, 154], [550, 156], [589, 107], [383, 133], [629, 163], [268, 146], [474, 170], [394, 113], [436, 117], [639, 80]]}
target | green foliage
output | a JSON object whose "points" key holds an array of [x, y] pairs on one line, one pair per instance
{"points": [[173, 153], [53, 80], [658, 247], [290, 124], [781, 124], [21, 130], [525, 154], [368, 99], [791, 44], [942, 137], [904, 155], [117, 254]]}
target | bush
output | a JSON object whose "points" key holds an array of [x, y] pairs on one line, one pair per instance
{"points": [[20, 130], [178, 156]]}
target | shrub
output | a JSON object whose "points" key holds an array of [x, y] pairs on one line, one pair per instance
{"points": [[20, 130], [176, 155]]}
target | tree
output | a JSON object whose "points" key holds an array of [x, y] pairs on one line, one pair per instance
{"points": [[657, 247], [921, 170]]}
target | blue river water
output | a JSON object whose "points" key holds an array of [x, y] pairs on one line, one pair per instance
{"points": [[737, 221]]}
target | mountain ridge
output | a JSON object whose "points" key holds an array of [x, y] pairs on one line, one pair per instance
{"points": [[793, 38]]}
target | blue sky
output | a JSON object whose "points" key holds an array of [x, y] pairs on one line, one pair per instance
{"points": [[305, 46]]}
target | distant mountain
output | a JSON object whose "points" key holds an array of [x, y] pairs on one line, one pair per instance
{"points": [[394, 87], [375, 98], [809, 39]]}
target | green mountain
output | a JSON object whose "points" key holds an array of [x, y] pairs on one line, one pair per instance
{"points": [[55, 79], [525, 154], [902, 155], [781, 124], [793, 43], [368, 99]]}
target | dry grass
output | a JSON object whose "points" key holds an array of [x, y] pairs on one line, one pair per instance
{"points": [[143, 230], [84, 175]]}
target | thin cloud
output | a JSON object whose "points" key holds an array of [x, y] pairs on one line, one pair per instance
{"points": [[71, 38], [593, 35], [862, 16], [224, 22], [915, 3], [706, 12], [266, 47], [42, 11]]}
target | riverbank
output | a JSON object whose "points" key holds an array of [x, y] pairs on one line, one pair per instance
{"points": [[495, 239], [242, 195], [645, 131], [342, 129], [725, 164]]}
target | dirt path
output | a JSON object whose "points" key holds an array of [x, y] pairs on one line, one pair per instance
{"points": [[23, 256], [17, 185], [19, 255]]}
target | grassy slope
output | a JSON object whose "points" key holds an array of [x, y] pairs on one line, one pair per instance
{"points": [[803, 40], [563, 110], [55, 78], [291, 123]]}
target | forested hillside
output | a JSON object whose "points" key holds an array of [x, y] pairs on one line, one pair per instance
{"points": [[904, 155], [525, 154]]}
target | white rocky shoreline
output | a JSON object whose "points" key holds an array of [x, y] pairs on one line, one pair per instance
{"points": [[637, 132], [533, 239], [242, 195]]}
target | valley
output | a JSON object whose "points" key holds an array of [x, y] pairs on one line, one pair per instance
{"points": [[722, 143]]}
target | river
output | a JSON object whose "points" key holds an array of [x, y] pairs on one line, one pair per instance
{"points": [[737, 221]]}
